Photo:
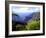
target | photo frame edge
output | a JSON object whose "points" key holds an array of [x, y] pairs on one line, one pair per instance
{"points": [[7, 15]]}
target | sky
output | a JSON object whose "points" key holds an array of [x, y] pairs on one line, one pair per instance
{"points": [[25, 9]]}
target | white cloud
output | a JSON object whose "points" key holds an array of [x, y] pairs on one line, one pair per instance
{"points": [[25, 9]]}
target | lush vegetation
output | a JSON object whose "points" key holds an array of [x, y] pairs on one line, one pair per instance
{"points": [[31, 25]]}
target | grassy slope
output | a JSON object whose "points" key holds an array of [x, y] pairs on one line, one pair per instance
{"points": [[31, 25]]}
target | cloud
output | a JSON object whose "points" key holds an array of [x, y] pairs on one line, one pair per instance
{"points": [[25, 9]]}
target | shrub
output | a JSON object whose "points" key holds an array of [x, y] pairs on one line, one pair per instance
{"points": [[33, 25]]}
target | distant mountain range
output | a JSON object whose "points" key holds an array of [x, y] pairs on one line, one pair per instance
{"points": [[34, 16]]}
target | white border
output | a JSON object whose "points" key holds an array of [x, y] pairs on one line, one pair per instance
{"points": [[25, 32]]}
